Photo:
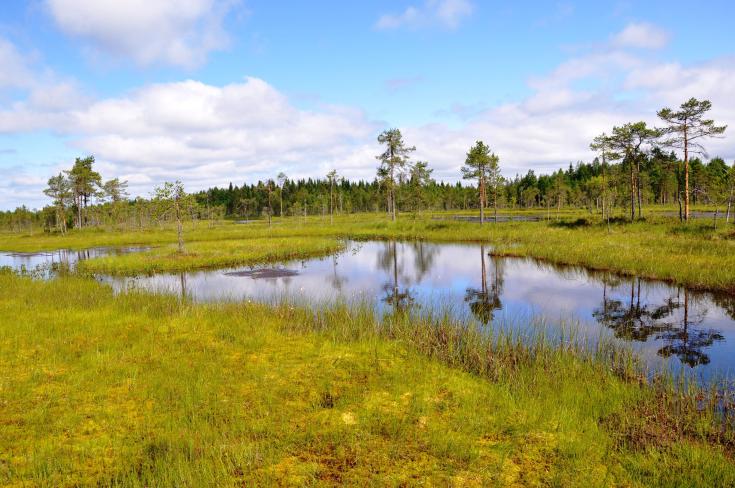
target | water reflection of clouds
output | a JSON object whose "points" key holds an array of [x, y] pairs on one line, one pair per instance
{"points": [[439, 277]]}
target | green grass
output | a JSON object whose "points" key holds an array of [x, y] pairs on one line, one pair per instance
{"points": [[147, 390], [694, 254], [208, 254]]}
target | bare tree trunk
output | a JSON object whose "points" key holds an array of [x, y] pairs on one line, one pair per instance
{"points": [[331, 203], [79, 211], [482, 197], [605, 204], [714, 223], [638, 189], [729, 205], [495, 203], [558, 206], [179, 226], [632, 192], [392, 193], [686, 175]]}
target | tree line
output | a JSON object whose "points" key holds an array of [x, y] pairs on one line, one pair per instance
{"points": [[635, 165]]}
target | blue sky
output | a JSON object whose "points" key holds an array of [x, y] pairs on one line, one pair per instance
{"points": [[213, 91]]}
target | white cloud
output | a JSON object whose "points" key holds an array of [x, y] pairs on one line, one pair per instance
{"points": [[641, 35], [554, 126], [446, 13], [209, 135], [177, 32], [33, 97], [15, 72]]}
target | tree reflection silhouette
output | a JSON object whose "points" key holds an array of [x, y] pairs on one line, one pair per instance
{"points": [[424, 256], [484, 301], [688, 343], [400, 299], [183, 287], [632, 322], [637, 321], [336, 279]]}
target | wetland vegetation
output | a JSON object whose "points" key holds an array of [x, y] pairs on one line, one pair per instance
{"points": [[142, 388]]}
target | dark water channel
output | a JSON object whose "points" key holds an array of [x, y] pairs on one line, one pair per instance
{"points": [[683, 329]]}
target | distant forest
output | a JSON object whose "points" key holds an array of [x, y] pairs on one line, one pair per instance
{"points": [[636, 166], [579, 185]]}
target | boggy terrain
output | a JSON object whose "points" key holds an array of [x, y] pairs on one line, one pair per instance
{"points": [[141, 389]]}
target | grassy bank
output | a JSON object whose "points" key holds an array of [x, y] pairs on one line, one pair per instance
{"points": [[691, 254], [208, 254], [145, 390]]}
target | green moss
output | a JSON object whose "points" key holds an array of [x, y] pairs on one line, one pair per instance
{"points": [[211, 254], [146, 390]]}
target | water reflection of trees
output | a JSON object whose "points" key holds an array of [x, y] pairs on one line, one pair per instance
{"points": [[485, 300], [336, 279], [184, 292], [688, 343], [639, 320], [424, 257], [399, 298], [631, 321]]}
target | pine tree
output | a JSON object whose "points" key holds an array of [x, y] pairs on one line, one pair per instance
{"points": [[684, 129]]}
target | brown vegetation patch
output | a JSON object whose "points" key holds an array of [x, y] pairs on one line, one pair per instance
{"points": [[664, 419]]}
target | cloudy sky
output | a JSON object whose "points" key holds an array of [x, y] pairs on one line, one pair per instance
{"points": [[219, 91]]}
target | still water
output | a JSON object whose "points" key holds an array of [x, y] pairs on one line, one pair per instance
{"points": [[45, 263], [684, 329]]}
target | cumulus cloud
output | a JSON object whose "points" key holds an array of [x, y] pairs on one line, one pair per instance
{"points": [[554, 126], [33, 96], [641, 35], [205, 135], [15, 72], [177, 32], [445, 13], [209, 135]]}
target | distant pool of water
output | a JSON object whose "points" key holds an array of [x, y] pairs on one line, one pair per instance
{"points": [[44, 263]]}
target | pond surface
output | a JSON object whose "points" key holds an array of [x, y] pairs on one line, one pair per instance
{"points": [[44, 263], [684, 329]]}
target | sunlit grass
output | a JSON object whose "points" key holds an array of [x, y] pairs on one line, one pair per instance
{"points": [[211, 254], [693, 254], [149, 390]]}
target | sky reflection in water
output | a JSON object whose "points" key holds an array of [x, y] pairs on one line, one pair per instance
{"points": [[694, 330]]}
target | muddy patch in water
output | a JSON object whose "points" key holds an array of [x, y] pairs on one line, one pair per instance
{"points": [[263, 273]]}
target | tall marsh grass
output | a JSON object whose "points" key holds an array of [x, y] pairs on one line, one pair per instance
{"points": [[153, 390]]}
